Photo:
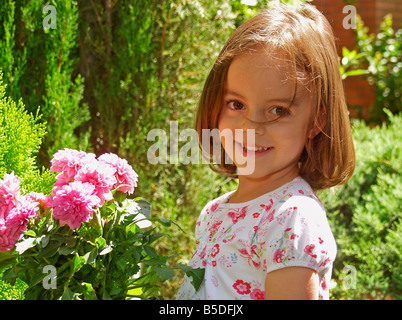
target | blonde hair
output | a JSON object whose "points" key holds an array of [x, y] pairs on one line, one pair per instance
{"points": [[304, 36]]}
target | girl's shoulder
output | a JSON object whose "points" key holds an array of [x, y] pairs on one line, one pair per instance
{"points": [[294, 193], [299, 193], [295, 199]]}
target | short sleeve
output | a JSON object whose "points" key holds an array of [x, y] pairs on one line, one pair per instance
{"points": [[299, 235]]}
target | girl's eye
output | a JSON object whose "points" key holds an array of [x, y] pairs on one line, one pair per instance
{"points": [[235, 105], [280, 111]]}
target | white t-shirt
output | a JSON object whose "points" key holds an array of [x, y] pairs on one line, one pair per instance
{"points": [[239, 243]]}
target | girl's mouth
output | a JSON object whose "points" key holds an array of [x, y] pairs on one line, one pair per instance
{"points": [[254, 150]]}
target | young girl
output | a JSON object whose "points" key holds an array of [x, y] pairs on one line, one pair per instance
{"points": [[278, 74]]}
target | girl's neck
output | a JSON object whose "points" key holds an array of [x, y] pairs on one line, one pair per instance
{"points": [[251, 188]]}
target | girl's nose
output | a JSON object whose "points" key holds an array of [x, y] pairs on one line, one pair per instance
{"points": [[251, 122]]}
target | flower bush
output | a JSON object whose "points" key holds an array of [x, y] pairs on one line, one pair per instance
{"points": [[87, 240]]}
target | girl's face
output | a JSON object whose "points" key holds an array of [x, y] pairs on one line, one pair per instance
{"points": [[258, 90]]}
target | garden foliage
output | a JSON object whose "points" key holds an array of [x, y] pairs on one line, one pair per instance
{"points": [[366, 215], [377, 56], [40, 66], [382, 54], [20, 139]]}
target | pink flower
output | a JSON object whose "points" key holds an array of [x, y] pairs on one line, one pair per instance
{"points": [[126, 177], [309, 250], [267, 208], [326, 262], [242, 287], [15, 222], [256, 215], [214, 207], [279, 255], [44, 201], [69, 161], [257, 294], [74, 203], [215, 250], [324, 284], [101, 176], [60, 182], [19, 216], [9, 191], [7, 242], [238, 214]]}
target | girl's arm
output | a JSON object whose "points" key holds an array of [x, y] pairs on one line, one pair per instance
{"points": [[291, 283]]}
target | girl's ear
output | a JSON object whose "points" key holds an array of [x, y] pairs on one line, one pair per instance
{"points": [[318, 125]]}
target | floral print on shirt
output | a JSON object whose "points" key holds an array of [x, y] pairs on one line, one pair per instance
{"points": [[239, 243]]}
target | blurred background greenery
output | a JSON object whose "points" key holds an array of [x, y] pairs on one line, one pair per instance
{"points": [[113, 70]]}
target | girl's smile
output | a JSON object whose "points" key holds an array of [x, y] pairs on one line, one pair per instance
{"points": [[252, 150]]}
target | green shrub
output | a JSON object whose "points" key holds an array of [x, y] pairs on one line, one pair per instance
{"points": [[20, 139], [365, 215], [40, 67], [11, 292], [381, 55]]}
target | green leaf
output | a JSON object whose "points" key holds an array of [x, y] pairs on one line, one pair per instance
{"points": [[115, 291], [51, 249], [9, 274], [90, 257], [89, 292], [100, 242], [137, 252], [164, 273], [67, 294], [65, 250], [7, 258], [155, 236], [145, 207], [196, 274], [150, 251], [77, 263], [345, 52], [30, 233], [356, 72]]}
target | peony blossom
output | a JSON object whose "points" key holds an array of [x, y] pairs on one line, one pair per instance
{"points": [[15, 222], [9, 192], [60, 182], [19, 216], [6, 241], [44, 201], [101, 176], [74, 203], [126, 177], [69, 161]]}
